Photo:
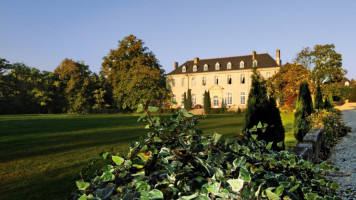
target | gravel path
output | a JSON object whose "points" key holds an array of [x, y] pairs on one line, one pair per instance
{"points": [[343, 155]]}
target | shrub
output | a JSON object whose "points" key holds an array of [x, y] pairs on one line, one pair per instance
{"points": [[352, 97], [175, 161], [189, 100], [318, 99], [304, 108], [239, 110], [185, 102], [207, 102], [328, 104], [260, 108], [334, 127]]}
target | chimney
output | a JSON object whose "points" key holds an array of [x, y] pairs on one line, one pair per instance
{"points": [[278, 56], [196, 59], [253, 55], [175, 65]]}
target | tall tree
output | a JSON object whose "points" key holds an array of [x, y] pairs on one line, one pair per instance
{"points": [[134, 73], [318, 99], [304, 108], [285, 83], [262, 109], [189, 100], [74, 77], [325, 64]]}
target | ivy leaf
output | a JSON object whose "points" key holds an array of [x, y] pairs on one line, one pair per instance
{"points": [[82, 185], [145, 156], [216, 137], [105, 155], [219, 174], [214, 188], [106, 192], [293, 188], [152, 109], [244, 175], [85, 197], [311, 196], [279, 190], [335, 186], [174, 102], [236, 184], [280, 144], [107, 176], [239, 162], [155, 194], [201, 197], [186, 114], [139, 108], [272, 195], [189, 197], [269, 145], [157, 139], [117, 160], [259, 125]]}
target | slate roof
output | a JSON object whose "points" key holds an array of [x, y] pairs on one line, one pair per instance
{"points": [[264, 60]]}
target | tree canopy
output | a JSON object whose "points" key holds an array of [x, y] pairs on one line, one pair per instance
{"points": [[134, 73]]}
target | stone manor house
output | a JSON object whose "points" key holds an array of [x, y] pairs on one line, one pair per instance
{"points": [[228, 79]]}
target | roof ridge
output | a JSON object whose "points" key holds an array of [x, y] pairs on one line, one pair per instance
{"points": [[228, 57]]}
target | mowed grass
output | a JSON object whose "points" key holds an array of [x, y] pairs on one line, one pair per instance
{"points": [[41, 155]]}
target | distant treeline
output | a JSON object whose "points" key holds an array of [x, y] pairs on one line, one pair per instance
{"points": [[129, 74]]}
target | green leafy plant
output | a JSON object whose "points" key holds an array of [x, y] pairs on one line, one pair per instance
{"points": [[175, 161], [304, 108]]}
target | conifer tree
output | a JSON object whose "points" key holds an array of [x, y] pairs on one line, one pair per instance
{"points": [[318, 99], [328, 102], [189, 100], [262, 109], [209, 101], [304, 108], [352, 97], [206, 102], [185, 101]]}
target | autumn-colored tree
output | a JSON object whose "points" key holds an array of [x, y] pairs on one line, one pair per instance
{"points": [[98, 91], [75, 79], [134, 73], [285, 83]]}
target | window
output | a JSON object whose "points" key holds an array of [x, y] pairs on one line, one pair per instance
{"points": [[242, 64], [228, 79], [229, 65], [229, 98], [217, 66], [182, 102], [173, 82], [205, 67], [193, 81], [184, 69], [194, 68], [268, 74], [242, 78], [216, 80], [194, 100], [216, 102], [254, 63], [183, 80], [347, 83], [202, 99], [243, 99], [174, 98], [204, 80]]}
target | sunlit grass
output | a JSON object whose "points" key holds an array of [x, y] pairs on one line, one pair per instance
{"points": [[42, 155]]}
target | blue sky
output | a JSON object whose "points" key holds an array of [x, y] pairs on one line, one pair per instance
{"points": [[43, 33]]}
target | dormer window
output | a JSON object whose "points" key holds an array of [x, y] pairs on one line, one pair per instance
{"points": [[184, 69], [229, 65], [194, 68], [205, 67], [217, 66], [242, 64], [254, 63]]}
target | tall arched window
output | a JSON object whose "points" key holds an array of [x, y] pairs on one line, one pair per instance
{"points": [[194, 68], [217, 66], [229, 65], [205, 67], [184, 69], [194, 100], [242, 64], [229, 98], [216, 102]]}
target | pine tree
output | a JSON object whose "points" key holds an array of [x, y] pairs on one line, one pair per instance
{"points": [[328, 102], [209, 101], [262, 109], [352, 97], [318, 99], [189, 100], [185, 101], [303, 109], [206, 102]]}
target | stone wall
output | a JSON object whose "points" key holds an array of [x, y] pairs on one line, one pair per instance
{"points": [[310, 147]]}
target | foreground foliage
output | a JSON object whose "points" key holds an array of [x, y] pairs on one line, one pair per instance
{"points": [[174, 161]]}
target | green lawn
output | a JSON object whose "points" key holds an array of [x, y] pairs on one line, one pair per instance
{"points": [[41, 155]]}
